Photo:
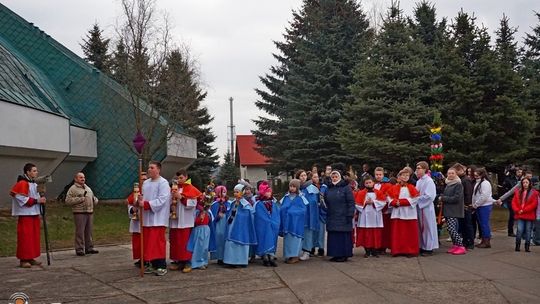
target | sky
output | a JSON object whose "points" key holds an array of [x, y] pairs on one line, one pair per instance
{"points": [[232, 41]]}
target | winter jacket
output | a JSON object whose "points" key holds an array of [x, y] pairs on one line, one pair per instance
{"points": [[453, 201], [81, 199], [340, 203], [529, 208]]}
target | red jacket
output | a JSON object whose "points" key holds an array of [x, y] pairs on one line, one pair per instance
{"points": [[529, 208]]}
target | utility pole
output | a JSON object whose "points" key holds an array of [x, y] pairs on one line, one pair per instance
{"points": [[231, 127]]}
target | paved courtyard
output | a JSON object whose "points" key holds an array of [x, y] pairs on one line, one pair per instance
{"points": [[497, 275]]}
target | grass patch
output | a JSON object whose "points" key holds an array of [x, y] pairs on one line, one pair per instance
{"points": [[111, 224]]}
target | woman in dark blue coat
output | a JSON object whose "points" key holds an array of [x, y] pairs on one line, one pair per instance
{"points": [[339, 220]]}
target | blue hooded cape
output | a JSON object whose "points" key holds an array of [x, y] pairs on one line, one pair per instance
{"points": [[311, 193], [241, 230], [293, 215], [214, 209], [266, 227]]}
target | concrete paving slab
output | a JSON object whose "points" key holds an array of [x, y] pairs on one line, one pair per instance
{"points": [[497, 275]]}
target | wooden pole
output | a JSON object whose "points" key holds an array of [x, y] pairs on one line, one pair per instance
{"points": [[141, 209]]}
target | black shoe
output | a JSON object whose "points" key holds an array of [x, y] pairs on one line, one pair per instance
{"points": [[426, 253], [470, 247], [312, 252], [333, 259], [266, 261], [80, 253], [220, 262], [517, 246], [320, 252], [137, 264], [527, 247], [511, 234], [91, 251], [272, 262]]}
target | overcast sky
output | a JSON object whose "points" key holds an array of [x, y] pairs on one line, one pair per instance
{"points": [[232, 40]]}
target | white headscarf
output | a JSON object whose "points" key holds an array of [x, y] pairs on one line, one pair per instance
{"points": [[338, 174]]}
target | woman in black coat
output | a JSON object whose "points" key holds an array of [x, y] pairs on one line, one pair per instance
{"points": [[339, 221]]}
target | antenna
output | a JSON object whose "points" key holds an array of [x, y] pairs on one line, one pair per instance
{"points": [[231, 127]]}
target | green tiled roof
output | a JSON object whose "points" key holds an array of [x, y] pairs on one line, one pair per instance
{"points": [[60, 82]]}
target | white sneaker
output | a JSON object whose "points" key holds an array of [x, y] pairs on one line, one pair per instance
{"points": [[304, 256]]}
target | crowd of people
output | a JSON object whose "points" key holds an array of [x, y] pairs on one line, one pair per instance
{"points": [[323, 213]]}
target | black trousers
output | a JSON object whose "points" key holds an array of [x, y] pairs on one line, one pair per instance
{"points": [[466, 228]]}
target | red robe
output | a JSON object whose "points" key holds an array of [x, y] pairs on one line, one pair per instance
{"points": [[28, 226], [179, 237], [135, 236], [386, 233], [404, 233]]}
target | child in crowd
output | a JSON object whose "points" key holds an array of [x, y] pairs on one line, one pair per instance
{"points": [[524, 204], [369, 203], [267, 221], [292, 212], [200, 238], [240, 232], [219, 209]]}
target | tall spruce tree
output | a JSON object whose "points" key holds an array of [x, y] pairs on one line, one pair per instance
{"points": [[491, 129], [119, 63], [306, 92], [180, 88], [229, 173], [96, 49], [386, 122], [530, 73]]}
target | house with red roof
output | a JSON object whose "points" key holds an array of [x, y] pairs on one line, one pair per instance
{"points": [[252, 163]]}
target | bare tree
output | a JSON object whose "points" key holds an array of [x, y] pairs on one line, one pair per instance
{"points": [[145, 38]]}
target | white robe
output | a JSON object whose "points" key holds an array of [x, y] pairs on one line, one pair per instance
{"points": [[405, 212], [427, 220], [371, 215], [158, 195], [185, 215]]}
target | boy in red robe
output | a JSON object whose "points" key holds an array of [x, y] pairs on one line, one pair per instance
{"points": [[25, 204], [369, 203], [134, 226], [383, 187], [180, 228], [404, 218]]}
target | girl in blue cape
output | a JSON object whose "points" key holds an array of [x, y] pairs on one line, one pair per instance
{"points": [[267, 221], [311, 225], [240, 233], [219, 225], [199, 238], [293, 213]]}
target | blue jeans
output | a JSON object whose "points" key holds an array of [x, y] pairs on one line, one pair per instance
{"points": [[524, 229], [484, 214]]}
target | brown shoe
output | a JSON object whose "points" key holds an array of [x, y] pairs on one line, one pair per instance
{"points": [[485, 243], [174, 266], [26, 264], [34, 262], [293, 260]]}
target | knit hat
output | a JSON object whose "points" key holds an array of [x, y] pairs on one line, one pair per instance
{"points": [[264, 188], [295, 182], [239, 187]]}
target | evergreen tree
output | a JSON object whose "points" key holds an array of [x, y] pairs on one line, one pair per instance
{"points": [[229, 173], [119, 63], [96, 49], [180, 98], [489, 126], [530, 73], [386, 122], [308, 89]]}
